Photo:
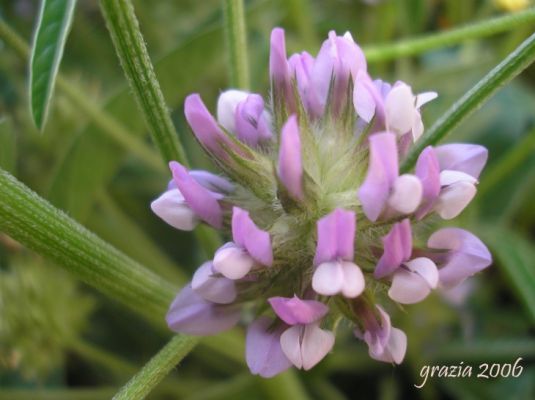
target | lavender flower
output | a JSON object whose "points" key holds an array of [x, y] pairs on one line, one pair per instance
{"points": [[320, 216]]}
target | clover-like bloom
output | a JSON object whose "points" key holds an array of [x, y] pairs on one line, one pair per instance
{"points": [[324, 224]]}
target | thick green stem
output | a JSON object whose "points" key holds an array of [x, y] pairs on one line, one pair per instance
{"points": [[515, 63], [236, 39], [157, 368], [39, 226], [132, 52], [109, 125], [410, 47]]}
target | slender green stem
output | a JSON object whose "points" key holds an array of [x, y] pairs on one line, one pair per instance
{"points": [[157, 368], [500, 170], [113, 128], [37, 224], [236, 39], [410, 47], [510, 67], [132, 52]]}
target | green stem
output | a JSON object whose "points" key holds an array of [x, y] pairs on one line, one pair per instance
{"points": [[132, 52], [410, 47], [236, 40], [157, 368], [500, 170], [510, 67], [38, 225], [115, 130]]}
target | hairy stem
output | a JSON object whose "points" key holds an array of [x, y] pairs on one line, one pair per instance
{"points": [[236, 39]]}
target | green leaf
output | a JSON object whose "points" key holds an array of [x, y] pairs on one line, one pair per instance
{"points": [[516, 256], [515, 63], [53, 27]]}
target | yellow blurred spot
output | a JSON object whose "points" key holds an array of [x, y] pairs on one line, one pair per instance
{"points": [[513, 5]]}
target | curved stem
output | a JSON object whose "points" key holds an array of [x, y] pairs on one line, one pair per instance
{"points": [[410, 47], [515, 63]]}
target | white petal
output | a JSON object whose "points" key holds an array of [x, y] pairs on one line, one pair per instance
{"points": [[454, 198], [408, 287], [399, 109], [216, 289], [417, 126], [449, 177], [226, 107], [353, 284], [426, 268], [291, 345], [232, 262], [328, 279], [424, 98], [406, 194], [172, 208], [316, 344], [397, 345]]}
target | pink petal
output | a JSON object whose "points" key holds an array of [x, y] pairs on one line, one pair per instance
{"points": [[468, 158], [192, 315], [336, 236], [424, 98], [263, 353], [426, 268], [296, 311], [212, 182], [205, 128], [172, 208], [382, 172], [363, 98], [253, 239], [328, 278], [395, 349], [198, 198], [428, 171], [290, 163], [408, 287], [232, 261], [397, 249], [213, 288], [467, 255], [251, 124]]}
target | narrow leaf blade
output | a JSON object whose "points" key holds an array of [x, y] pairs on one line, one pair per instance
{"points": [[51, 34]]}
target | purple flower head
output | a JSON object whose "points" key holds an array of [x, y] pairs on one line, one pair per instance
{"points": [[251, 246], [263, 351], [465, 255], [290, 163], [335, 271], [191, 314], [384, 191], [385, 343], [299, 165]]}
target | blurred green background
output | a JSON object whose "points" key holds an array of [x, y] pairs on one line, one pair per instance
{"points": [[69, 342]]}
